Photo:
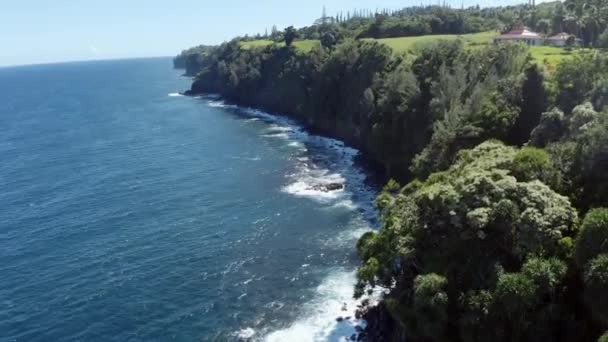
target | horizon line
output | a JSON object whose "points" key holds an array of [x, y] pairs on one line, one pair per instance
{"points": [[7, 66]]}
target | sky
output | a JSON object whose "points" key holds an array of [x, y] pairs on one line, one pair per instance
{"points": [[44, 31]]}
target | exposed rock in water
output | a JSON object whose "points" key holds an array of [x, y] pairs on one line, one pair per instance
{"points": [[358, 314], [339, 319], [327, 187]]}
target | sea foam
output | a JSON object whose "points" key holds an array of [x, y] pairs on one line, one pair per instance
{"points": [[318, 322]]}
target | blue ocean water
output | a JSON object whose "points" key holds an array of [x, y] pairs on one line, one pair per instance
{"points": [[130, 213]]}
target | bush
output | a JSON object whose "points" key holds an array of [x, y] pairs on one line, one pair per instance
{"points": [[430, 305], [581, 116], [546, 274], [596, 288], [599, 94], [532, 163], [602, 40], [551, 128], [593, 237], [470, 223]]}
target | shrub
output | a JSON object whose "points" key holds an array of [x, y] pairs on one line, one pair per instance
{"points": [[551, 128], [532, 163], [430, 305], [596, 288], [593, 237], [599, 94]]}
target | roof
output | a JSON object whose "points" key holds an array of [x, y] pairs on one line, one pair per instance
{"points": [[560, 36], [520, 33]]}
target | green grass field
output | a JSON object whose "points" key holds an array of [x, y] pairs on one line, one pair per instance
{"points": [[550, 55], [411, 44], [547, 55], [303, 45]]}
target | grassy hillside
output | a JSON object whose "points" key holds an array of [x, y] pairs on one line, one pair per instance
{"points": [[404, 44], [304, 45], [547, 55]]}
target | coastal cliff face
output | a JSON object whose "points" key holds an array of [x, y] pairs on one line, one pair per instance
{"points": [[451, 248], [348, 131], [349, 93], [278, 89], [381, 327]]}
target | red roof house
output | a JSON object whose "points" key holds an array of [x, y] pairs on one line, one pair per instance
{"points": [[521, 34], [561, 39]]}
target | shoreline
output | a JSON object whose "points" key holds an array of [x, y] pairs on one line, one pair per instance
{"points": [[337, 286], [376, 175]]}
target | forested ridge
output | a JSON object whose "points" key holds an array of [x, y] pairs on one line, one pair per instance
{"points": [[495, 224]]}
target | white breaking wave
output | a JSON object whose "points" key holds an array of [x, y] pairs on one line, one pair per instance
{"points": [[346, 204], [246, 333], [297, 144], [220, 104], [277, 128], [308, 181], [175, 95], [348, 238], [319, 315], [317, 322], [276, 135]]}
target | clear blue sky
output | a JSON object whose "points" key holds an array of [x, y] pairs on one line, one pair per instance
{"points": [[41, 31]]}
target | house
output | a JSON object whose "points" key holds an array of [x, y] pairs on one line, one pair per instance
{"points": [[521, 34], [561, 39]]}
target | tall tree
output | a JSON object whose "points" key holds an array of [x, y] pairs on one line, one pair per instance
{"points": [[290, 35]]}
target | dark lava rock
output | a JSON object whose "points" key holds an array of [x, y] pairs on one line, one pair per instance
{"points": [[358, 314], [327, 187], [339, 319], [381, 327], [353, 337], [358, 328]]}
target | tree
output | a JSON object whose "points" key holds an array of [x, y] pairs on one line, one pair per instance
{"points": [[573, 79], [599, 94], [544, 26], [470, 224], [290, 35], [534, 103], [570, 41], [330, 36], [602, 40], [596, 287], [593, 237]]}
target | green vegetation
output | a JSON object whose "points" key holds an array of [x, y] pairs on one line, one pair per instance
{"points": [[192, 59], [547, 55], [501, 154], [551, 55], [302, 45], [412, 44]]}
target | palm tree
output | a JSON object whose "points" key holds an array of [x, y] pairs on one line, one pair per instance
{"points": [[573, 24]]}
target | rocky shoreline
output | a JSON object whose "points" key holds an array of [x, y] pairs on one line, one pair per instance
{"points": [[380, 325]]}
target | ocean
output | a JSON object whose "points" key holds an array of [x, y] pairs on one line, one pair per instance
{"points": [[131, 213]]}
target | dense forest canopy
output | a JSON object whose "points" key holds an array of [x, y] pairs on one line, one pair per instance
{"points": [[501, 229]]}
